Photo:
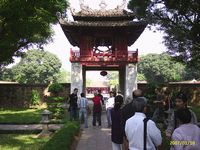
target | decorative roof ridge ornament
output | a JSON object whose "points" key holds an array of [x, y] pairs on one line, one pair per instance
{"points": [[83, 6], [85, 10], [103, 5], [122, 6]]}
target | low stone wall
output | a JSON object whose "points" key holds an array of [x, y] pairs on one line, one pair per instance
{"points": [[191, 89], [19, 95]]}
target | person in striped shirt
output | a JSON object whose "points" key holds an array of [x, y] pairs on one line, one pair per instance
{"points": [[83, 106]]}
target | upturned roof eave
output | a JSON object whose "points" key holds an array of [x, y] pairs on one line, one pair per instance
{"points": [[72, 29]]}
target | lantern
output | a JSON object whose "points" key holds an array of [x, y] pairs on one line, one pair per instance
{"points": [[103, 73]]}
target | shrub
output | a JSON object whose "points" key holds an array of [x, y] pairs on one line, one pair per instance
{"points": [[55, 88], [55, 99], [55, 106], [63, 138], [35, 97]]}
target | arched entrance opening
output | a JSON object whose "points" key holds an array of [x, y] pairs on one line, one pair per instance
{"points": [[95, 82]]}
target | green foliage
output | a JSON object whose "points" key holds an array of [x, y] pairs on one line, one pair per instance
{"points": [[6, 74], [55, 106], [160, 68], [24, 23], [151, 96], [196, 110], [64, 76], [179, 20], [56, 88], [141, 77], [88, 82], [113, 78], [191, 73], [55, 102], [55, 99], [63, 138], [36, 66], [35, 97]]}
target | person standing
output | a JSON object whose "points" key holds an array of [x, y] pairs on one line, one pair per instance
{"points": [[83, 106], [159, 112], [109, 105], [187, 135], [181, 102], [140, 134], [101, 96], [128, 110], [116, 128], [73, 104], [96, 109]]}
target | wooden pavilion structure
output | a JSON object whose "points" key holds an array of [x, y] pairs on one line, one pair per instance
{"points": [[103, 37]]}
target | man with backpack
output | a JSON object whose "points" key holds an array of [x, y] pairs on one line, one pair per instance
{"points": [[141, 133]]}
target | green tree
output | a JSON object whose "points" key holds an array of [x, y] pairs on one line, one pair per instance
{"points": [[160, 68], [24, 23], [113, 78], [88, 82], [6, 74], [36, 66], [141, 77], [180, 20], [191, 73], [64, 76]]}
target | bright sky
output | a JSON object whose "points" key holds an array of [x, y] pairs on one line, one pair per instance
{"points": [[148, 42]]}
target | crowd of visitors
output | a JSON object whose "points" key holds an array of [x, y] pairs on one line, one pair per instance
{"points": [[131, 126]]}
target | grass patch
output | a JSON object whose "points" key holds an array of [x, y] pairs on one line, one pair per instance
{"points": [[21, 142], [60, 140], [26, 116], [63, 138], [20, 116]]}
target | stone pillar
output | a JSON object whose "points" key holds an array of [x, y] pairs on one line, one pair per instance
{"points": [[76, 77], [131, 80], [122, 79]]}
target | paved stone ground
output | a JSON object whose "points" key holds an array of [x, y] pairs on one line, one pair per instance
{"points": [[95, 138]]}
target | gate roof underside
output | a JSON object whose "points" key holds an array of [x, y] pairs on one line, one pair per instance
{"points": [[73, 30]]}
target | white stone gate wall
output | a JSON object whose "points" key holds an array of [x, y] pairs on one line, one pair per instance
{"points": [[131, 80], [76, 77]]}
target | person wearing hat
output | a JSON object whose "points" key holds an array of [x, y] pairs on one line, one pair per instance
{"points": [[181, 102], [142, 133]]}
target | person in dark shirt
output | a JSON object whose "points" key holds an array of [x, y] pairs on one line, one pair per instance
{"points": [[101, 96], [116, 128], [73, 106], [159, 102]]}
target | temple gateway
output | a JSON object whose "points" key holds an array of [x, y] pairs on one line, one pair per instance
{"points": [[103, 37]]}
